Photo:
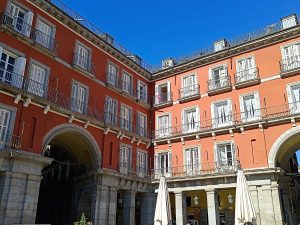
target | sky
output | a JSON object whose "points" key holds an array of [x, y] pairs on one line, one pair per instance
{"points": [[159, 29]]}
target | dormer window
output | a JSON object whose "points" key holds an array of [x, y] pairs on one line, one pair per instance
{"points": [[220, 45], [289, 21]]}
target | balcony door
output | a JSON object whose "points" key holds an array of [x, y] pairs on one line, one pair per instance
{"points": [[82, 57], [37, 80], [294, 98], [164, 164], [141, 163], [163, 125], [190, 120], [111, 111], [218, 77], [5, 116], [250, 107], [44, 34], [291, 57], [222, 114], [124, 159], [225, 156], [79, 98], [126, 118], [192, 161], [189, 86], [18, 15], [245, 69]]}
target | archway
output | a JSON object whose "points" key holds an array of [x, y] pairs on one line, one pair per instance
{"points": [[283, 155], [66, 187]]}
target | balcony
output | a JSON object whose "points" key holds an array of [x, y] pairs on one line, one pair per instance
{"points": [[197, 170], [247, 78], [128, 170], [84, 64], [231, 121], [189, 93], [17, 26], [163, 100], [9, 141], [290, 66], [216, 86]]}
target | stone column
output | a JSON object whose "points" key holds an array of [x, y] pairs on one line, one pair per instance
{"points": [[112, 212], [276, 204], [212, 207], [254, 197], [129, 208], [180, 205], [148, 203]]}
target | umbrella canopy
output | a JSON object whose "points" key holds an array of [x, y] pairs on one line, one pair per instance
{"points": [[244, 208], [163, 206]]}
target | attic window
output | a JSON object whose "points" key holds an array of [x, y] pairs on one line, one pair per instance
{"points": [[220, 45], [289, 21]]}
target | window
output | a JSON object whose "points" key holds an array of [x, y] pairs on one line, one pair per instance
{"points": [[222, 114], [127, 83], [163, 164], [82, 57], [141, 166], [190, 120], [289, 21], [44, 34], [5, 119], [218, 78], [291, 57], [126, 117], [38, 80], [112, 75], [250, 107], [12, 68], [246, 69], [294, 97], [163, 93], [225, 155], [189, 86], [125, 159], [142, 91], [192, 160], [79, 98], [21, 19], [111, 111], [141, 124], [163, 123]]}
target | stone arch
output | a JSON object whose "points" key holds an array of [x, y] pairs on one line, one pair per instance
{"points": [[94, 149], [284, 138]]}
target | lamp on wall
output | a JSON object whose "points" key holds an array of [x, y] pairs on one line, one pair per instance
{"points": [[196, 201], [230, 199]]}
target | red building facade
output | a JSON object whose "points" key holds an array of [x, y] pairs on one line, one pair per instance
{"points": [[87, 126]]}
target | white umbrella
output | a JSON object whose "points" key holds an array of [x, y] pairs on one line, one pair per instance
{"points": [[163, 206], [244, 208]]}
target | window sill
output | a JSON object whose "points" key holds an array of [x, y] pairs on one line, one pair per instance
{"points": [[189, 98], [289, 73], [219, 90], [163, 104], [83, 71], [247, 83]]}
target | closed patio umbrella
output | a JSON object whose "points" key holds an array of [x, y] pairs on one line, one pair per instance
{"points": [[163, 206], [244, 208]]}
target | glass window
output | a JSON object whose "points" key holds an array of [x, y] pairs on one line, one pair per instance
{"points": [[127, 83], [5, 119], [141, 163], [125, 159], [36, 84], [222, 113], [111, 111], [163, 125], [125, 117], [44, 34], [79, 98], [192, 160], [191, 120], [142, 124]]}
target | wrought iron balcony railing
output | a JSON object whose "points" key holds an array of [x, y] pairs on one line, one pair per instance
{"points": [[17, 24], [129, 170], [163, 99], [246, 75], [84, 63], [228, 120], [189, 92], [195, 170], [290, 64], [219, 84], [9, 141]]}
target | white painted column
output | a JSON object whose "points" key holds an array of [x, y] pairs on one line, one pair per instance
{"points": [[212, 207], [180, 205], [276, 204], [129, 208], [254, 197]]}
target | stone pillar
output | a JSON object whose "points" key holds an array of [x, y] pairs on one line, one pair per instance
{"points": [[112, 212], [254, 197], [276, 204], [19, 186], [212, 207], [148, 203], [129, 208], [180, 205]]}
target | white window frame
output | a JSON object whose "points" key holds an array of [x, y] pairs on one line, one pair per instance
{"points": [[130, 121], [73, 100], [289, 21], [189, 90], [220, 45], [112, 79], [140, 132], [292, 61], [125, 167], [80, 61], [127, 89], [53, 30], [167, 129], [246, 74], [11, 123], [194, 168], [293, 106], [230, 113], [166, 171], [229, 165], [109, 117], [159, 99], [185, 126], [145, 97], [257, 112], [141, 171]]}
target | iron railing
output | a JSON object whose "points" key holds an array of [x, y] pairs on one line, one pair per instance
{"points": [[120, 84], [290, 64], [253, 115], [18, 25], [142, 95], [129, 170], [10, 141], [200, 169], [84, 63], [163, 98], [115, 120], [189, 91], [246, 75], [216, 84], [104, 36]]}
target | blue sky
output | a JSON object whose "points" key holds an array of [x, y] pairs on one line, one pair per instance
{"points": [[159, 29]]}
